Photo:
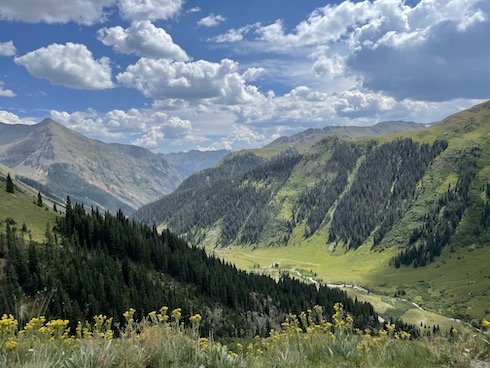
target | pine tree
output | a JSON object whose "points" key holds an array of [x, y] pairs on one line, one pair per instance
{"points": [[39, 199], [10, 184], [55, 209]]}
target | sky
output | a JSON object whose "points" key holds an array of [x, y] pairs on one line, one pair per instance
{"points": [[176, 75]]}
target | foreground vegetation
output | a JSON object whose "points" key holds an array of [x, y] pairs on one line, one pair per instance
{"points": [[163, 339]]}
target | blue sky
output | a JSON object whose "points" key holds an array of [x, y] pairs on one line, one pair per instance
{"points": [[173, 75]]}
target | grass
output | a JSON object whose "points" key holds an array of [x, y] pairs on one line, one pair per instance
{"points": [[22, 207], [163, 339], [439, 288]]}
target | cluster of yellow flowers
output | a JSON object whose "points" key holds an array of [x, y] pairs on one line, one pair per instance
{"points": [[35, 329], [57, 330], [100, 329], [8, 325], [304, 329], [195, 319]]}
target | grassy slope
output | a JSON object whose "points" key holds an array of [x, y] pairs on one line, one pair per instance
{"points": [[22, 207]]}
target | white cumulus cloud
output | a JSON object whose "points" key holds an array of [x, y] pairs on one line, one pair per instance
{"points": [[150, 9], [6, 92], [241, 136], [211, 20], [7, 117], [7, 49], [146, 128], [54, 11], [430, 51], [193, 10], [142, 38], [235, 34], [199, 80], [71, 65]]}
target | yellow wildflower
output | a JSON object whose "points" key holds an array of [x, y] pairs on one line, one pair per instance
{"points": [[195, 319], [176, 313], [203, 342], [11, 344], [486, 324], [391, 328], [128, 315], [405, 336]]}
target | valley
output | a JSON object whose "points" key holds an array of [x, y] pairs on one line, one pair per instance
{"points": [[289, 208], [439, 288]]}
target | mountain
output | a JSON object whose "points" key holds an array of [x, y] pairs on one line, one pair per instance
{"points": [[193, 161], [309, 137], [401, 213], [111, 176], [80, 264]]}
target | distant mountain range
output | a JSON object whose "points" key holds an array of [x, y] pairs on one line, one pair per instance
{"points": [[60, 162], [109, 176], [193, 161]]}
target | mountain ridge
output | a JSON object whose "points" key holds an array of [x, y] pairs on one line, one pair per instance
{"points": [[106, 175], [313, 135]]}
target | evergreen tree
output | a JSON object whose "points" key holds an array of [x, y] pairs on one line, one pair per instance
{"points": [[55, 209], [10, 184], [39, 199]]}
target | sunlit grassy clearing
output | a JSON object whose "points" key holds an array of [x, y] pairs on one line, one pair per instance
{"points": [[23, 209]]}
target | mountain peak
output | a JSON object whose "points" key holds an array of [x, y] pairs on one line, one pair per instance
{"points": [[48, 121]]}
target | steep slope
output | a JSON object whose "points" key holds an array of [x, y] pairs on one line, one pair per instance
{"points": [[21, 207], [110, 176], [193, 161], [403, 205]]}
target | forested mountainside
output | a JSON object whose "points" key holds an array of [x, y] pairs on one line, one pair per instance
{"points": [[92, 263], [243, 207], [55, 159], [347, 192]]}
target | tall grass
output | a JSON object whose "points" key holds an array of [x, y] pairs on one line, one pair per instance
{"points": [[164, 340]]}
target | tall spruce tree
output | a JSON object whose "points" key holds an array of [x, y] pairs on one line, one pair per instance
{"points": [[39, 199], [10, 184]]}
